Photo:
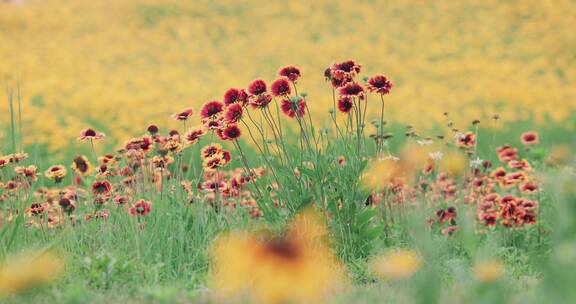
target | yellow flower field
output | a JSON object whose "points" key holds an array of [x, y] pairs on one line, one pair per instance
{"points": [[120, 64]]}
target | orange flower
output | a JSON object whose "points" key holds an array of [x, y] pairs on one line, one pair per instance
{"points": [[90, 134]]}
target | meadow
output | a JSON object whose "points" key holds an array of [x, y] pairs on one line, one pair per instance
{"points": [[232, 152]]}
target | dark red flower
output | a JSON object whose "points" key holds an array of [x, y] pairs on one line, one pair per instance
{"points": [[280, 87], [294, 107], [345, 104], [90, 134], [290, 72], [101, 187], [233, 112], [260, 101], [379, 84], [231, 132], [194, 136], [211, 109], [152, 129], [352, 89], [184, 115], [235, 96], [257, 87], [348, 67], [141, 208]]}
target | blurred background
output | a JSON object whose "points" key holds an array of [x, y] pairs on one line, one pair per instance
{"points": [[119, 65]]}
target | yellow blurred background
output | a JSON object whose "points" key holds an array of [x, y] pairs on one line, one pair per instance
{"points": [[119, 65]]}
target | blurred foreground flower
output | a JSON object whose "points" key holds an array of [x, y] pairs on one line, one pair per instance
{"points": [[297, 267], [396, 265], [27, 270], [488, 271]]}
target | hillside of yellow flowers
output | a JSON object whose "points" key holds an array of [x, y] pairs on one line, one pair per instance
{"points": [[118, 65]]}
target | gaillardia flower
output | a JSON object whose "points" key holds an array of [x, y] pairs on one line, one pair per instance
{"points": [[294, 107], [56, 173], [352, 89], [291, 72], [81, 165], [298, 267], [257, 87], [530, 138], [280, 87], [211, 109], [90, 134], [141, 208], [184, 115], [379, 84], [235, 96]]}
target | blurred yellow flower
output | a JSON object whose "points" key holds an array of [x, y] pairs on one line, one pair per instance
{"points": [[29, 269], [396, 265], [488, 271], [454, 163], [297, 267]]}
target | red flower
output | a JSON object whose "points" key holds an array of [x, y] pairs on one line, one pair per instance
{"points": [[90, 134], [257, 87], [152, 129], [211, 109], [506, 153], [235, 96], [280, 87], [349, 67], [290, 72], [233, 113], [530, 138], [379, 84], [231, 132], [141, 208], [260, 101], [194, 136], [352, 89], [184, 115], [294, 107], [101, 187], [345, 104], [467, 139]]}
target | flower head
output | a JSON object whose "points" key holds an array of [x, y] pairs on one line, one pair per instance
{"points": [[231, 132], [193, 136], [530, 138], [291, 72], [352, 89], [396, 265], [233, 113], [141, 208], [345, 104], [90, 134], [379, 84], [257, 87], [56, 173], [211, 109], [235, 96], [280, 87], [184, 115], [101, 187], [294, 107]]}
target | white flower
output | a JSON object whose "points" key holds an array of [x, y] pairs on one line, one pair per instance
{"points": [[390, 157], [475, 163], [425, 142], [436, 155]]}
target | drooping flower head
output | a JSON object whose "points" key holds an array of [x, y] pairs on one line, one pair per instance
{"points": [[152, 129], [90, 134], [184, 115], [211, 109], [260, 101], [280, 87], [291, 72], [193, 136], [349, 67], [379, 84], [467, 139], [294, 107]]}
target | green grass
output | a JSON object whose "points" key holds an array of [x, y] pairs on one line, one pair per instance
{"points": [[164, 257]]}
